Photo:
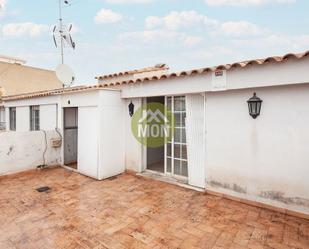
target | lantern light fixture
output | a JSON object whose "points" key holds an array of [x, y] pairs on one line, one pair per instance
{"points": [[254, 105], [131, 109]]}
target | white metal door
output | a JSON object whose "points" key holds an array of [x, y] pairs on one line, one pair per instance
{"points": [[88, 141], [195, 127], [176, 163]]}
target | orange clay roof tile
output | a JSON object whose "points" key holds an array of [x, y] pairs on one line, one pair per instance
{"points": [[158, 67], [242, 64]]}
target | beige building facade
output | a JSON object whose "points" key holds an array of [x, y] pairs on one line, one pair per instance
{"points": [[17, 78]]}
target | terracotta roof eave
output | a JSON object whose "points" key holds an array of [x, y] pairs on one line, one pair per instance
{"points": [[137, 71], [49, 93], [243, 64]]}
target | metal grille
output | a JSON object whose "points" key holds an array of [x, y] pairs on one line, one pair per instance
{"points": [[34, 118], [2, 118], [13, 118]]}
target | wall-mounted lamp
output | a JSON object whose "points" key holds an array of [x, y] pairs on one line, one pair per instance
{"points": [[254, 104], [131, 109]]}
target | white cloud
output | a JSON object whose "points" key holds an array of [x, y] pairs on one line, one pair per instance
{"points": [[241, 28], [275, 41], [245, 2], [192, 40], [153, 22], [106, 16], [194, 20], [152, 37], [129, 1], [24, 29], [176, 20], [4, 10], [2, 5]]}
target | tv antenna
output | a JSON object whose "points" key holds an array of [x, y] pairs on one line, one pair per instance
{"points": [[62, 36], [63, 32]]}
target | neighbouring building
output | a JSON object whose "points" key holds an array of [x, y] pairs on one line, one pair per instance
{"points": [[17, 78], [155, 71], [219, 144]]}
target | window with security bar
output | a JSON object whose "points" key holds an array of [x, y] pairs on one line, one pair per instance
{"points": [[12, 114], [35, 118], [2, 118]]}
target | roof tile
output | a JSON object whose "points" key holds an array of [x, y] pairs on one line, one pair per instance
{"points": [[242, 64]]}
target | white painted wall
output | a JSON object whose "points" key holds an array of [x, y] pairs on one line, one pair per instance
{"points": [[88, 133], [100, 132], [33, 101], [111, 134], [88, 141], [48, 117], [133, 149], [264, 159], [269, 74], [22, 118], [88, 98], [21, 151], [50, 113], [7, 118], [101, 139]]}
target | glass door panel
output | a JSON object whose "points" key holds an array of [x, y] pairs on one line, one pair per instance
{"points": [[176, 149]]}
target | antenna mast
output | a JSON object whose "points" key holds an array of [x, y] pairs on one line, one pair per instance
{"points": [[64, 32], [61, 31]]}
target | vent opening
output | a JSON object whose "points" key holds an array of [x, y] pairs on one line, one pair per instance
{"points": [[43, 189]]}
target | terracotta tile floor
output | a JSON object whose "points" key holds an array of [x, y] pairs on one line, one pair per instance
{"points": [[133, 212]]}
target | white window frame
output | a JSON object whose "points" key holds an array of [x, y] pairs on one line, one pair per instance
{"points": [[12, 118], [2, 118], [35, 118]]}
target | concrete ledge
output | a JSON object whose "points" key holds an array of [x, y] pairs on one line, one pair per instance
{"points": [[226, 196], [161, 177], [260, 205], [130, 172], [25, 172]]}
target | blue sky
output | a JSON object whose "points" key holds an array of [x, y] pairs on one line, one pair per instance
{"points": [[117, 35]]}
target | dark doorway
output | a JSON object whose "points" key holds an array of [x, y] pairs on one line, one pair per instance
{"points": [[155, 156], [70, 118]]}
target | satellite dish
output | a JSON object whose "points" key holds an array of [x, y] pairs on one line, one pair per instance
{"points": [[65, 74]]}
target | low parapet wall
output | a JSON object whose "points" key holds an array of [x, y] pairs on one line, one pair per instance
{"points": [[20, 151]]}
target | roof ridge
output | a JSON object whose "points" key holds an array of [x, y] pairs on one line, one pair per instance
{"points": [[157, 67]]}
